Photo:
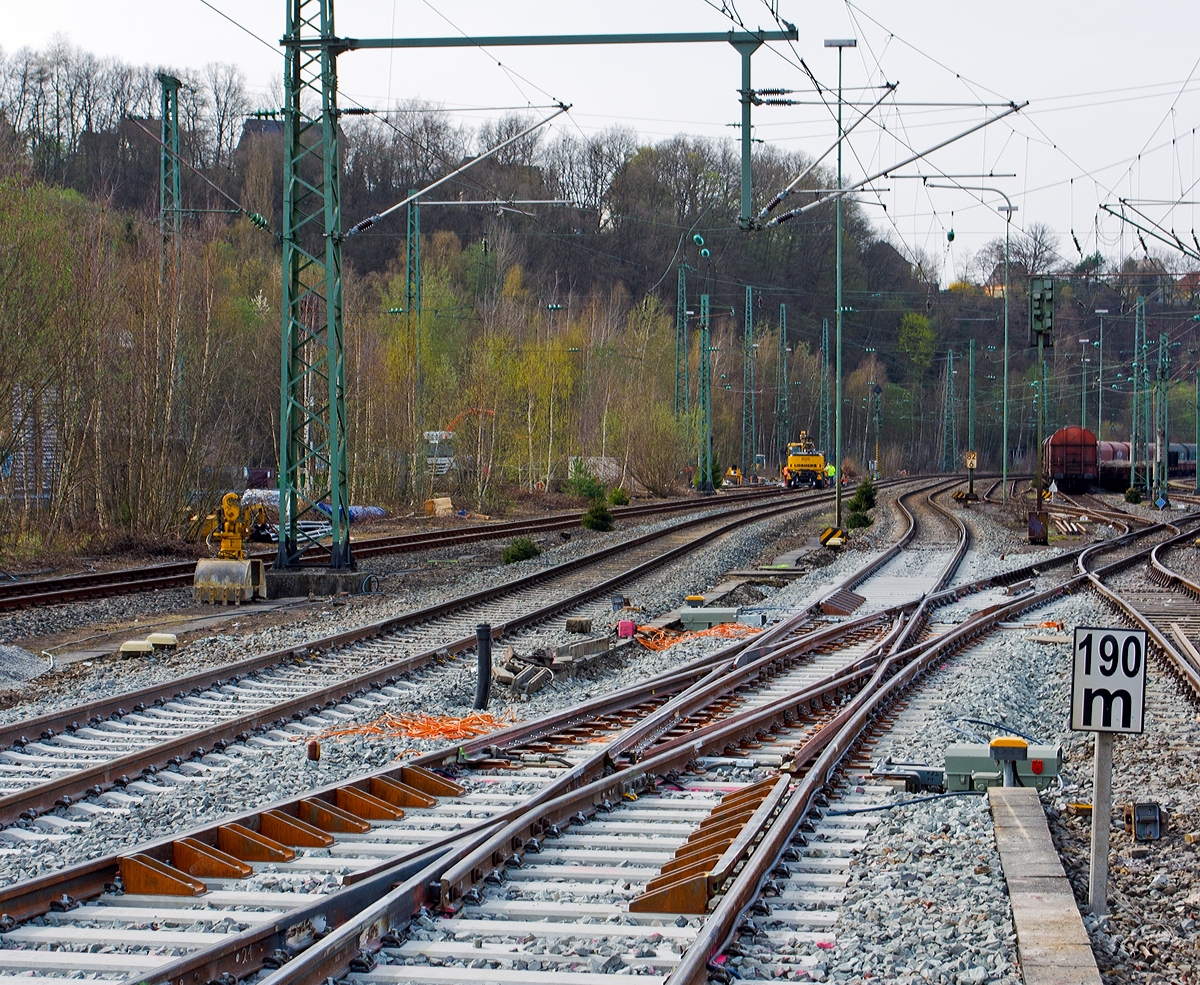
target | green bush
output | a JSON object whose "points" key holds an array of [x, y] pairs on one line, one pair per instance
{"points": [[716, 475], [521, 549], [864, 496], [583, 483], [1133, 495], [597, 517], [618, 497], [857, 519]]}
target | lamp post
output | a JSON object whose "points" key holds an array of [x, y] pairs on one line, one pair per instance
{"points": [[1008, 209], [841, 44], [1083, 361]]}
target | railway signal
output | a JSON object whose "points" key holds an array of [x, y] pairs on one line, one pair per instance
{"points": [[1041, 334]]}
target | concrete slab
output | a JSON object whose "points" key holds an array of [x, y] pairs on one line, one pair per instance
{"points": [[1052, 943]]}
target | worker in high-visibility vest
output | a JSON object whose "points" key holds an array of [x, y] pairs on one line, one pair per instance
{"points": [[830, 471]]}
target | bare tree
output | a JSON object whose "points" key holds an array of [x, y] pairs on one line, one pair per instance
{"points": [[226, 88]]}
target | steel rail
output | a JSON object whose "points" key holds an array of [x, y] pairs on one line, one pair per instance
{"points": [[742, 656], [96, 779], [332, 955], [1183, 663], [35, 896], [822, 755], [74, 717], [66, 588]]}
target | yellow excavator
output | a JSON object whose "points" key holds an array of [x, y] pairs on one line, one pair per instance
{"points": [[230, 576]]}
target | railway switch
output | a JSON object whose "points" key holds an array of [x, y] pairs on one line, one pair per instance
{"points": [[917, 777], [973, 766]]}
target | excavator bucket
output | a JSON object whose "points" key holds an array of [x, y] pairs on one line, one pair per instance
{"points": [[228, 580]]}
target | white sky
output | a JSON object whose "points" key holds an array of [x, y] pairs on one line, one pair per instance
{"points": [[1107, 82]]}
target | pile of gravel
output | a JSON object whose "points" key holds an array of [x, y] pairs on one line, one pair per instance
{"points": [[18, 665]]}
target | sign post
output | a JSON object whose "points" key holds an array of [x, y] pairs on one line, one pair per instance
{"points": [[972, 463], [1108, 695]]}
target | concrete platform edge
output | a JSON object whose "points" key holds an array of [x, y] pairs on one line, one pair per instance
{"points": [[1052, 943]]}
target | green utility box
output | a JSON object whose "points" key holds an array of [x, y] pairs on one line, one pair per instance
{"points": [[969, 766], [706, 617]]}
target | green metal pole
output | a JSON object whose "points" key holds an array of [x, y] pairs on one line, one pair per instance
{"points": [[1197, 429], [1146, 429], [1004, 427], [971, 399], [949, 421], [170, 201], [706, 465], [783, 423], [837, 427], [1041, 419], [1083, 388], [824, 422], [1163, 424], [748, 384], [971, 417], [746, 97], [412, 308], [1134, 404], [681, 342]]}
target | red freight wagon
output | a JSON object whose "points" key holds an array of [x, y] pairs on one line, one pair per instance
{"points": [[1070, 455]]}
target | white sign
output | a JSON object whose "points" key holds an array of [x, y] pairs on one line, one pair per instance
{"points": [[1108, 686], [972, 459]]}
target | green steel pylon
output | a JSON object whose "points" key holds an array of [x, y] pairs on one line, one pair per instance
{"points": [[824, 410], [170, 203], [748, 385], [949, 420], [705, 472], [681, 343], [313, 480], [783, 422]]}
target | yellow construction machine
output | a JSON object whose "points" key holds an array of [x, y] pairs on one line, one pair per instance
{"points": [[230, 576], [805, 465]]}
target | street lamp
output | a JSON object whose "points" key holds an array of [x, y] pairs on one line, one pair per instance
{"points": [[1008, 209], [841, 44], [1083, 361]]}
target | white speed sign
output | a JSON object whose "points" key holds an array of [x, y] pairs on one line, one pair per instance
{"points": [[1108, 686]]}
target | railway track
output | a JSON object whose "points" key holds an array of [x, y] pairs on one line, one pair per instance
{"points": [[1160, 598], [113, 742], [774, 704], [102, 584]]}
